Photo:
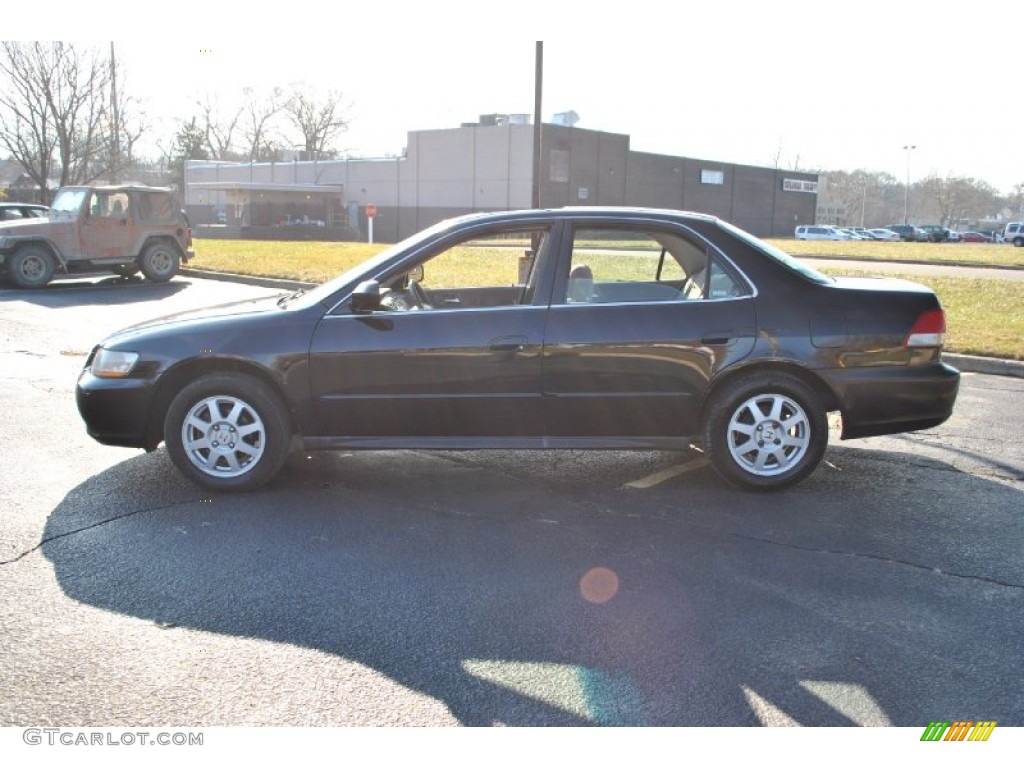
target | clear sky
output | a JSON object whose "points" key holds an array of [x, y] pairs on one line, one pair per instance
{"points": [[832, 86]]}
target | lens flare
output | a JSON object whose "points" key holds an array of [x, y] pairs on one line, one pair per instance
{"points": [[599, 585]]}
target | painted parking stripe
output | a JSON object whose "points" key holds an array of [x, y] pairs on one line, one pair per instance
{"points": [[667, 474]]}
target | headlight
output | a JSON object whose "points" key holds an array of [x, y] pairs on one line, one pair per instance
{"points": [[108, 364]]}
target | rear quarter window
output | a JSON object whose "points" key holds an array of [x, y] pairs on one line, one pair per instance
{"points": [[156, 206]]}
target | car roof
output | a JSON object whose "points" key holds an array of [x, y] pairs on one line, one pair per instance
{"points": [[585, 211]]}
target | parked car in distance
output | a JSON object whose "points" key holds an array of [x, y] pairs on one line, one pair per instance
{"points": [[907, 232], [884, 234], [974, 237], [98, 230], [1014, 233], [570, 328], [935, 233], [853, 234], [818, 232], [17, 211]]}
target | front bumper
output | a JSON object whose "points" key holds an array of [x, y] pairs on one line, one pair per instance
{"points": [[887, 400], [115, 411]]}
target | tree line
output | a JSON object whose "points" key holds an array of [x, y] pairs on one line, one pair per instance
{"points": [[66, 119], [876, 199]]}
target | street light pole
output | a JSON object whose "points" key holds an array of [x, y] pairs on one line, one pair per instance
{"points": [[906, 190]]}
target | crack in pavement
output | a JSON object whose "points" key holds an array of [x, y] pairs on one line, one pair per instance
{"points": [[56, 537]]}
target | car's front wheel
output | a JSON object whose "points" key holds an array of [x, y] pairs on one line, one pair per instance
{"points": [[228, 432], [160, 262], [765, 430]]}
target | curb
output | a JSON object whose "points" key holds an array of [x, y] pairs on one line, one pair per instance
{"points": [[965, 363], [991, 365], [229, 277]]}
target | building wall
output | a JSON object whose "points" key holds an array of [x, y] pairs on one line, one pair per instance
{"points": [[449, 172]]}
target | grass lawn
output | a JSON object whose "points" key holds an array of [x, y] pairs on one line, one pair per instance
{"points": [[983, 316], [965, 253]]}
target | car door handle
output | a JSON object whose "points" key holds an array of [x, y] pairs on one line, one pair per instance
{"points": [[715, 340], [508, 344]]}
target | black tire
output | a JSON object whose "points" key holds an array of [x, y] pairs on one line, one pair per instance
{"points": [[765, 430], [160, 262], [228, 432], [1018, 241], [31, 266]]}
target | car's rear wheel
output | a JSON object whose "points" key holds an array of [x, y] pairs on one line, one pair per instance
{"points": [[765, 430], [160, 262], [228, 432], [1018, 241], [31, 267]]}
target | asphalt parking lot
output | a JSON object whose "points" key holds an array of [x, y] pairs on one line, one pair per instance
{"points": [[480, 588]]}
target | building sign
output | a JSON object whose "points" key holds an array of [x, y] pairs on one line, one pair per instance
{"points": [[799, 185]]}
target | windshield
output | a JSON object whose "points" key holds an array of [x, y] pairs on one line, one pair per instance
{"points": [[777, 254], [69, 200], [365, 270]]}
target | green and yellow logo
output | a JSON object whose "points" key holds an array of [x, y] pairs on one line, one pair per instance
{"points": [[961, 730]]}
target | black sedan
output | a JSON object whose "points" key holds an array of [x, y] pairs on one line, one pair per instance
{"points": [[569, 328]]}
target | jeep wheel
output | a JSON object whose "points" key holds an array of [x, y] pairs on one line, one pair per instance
{"points": [[31, 267], [160, 262]]}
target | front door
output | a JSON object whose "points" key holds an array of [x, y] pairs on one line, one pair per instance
{"points": [[108, 230], [452, 352]]}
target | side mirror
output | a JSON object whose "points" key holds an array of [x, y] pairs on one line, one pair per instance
{"points": [[366, 297]]}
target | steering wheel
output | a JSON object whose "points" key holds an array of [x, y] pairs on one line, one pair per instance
{"points": [[418, 295]]}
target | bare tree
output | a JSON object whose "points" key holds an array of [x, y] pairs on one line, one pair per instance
{"points": [[861, 198], [59, 113], [318, 121], [27, 128], [261, 112], [956, 197], [219, 131]]}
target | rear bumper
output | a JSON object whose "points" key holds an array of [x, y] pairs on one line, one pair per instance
{"points": [[883, 400]]}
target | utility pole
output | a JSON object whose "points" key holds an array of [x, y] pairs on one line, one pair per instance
{"points": [[906, 190], [115, 148], [538, 82]]}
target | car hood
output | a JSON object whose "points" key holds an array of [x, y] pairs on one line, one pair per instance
{"points": [[197, 317], [35, 226]]}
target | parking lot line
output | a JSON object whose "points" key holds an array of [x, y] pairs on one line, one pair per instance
{"points": [[667, 474]]}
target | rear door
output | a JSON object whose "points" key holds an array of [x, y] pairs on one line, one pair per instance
{"points": [[631, 355]]}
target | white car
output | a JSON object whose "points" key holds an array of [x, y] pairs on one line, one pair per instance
{"points": [[885, 234], [815, 232]]}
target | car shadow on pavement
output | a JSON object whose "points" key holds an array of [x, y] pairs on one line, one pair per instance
{"points": [[101, 291], [872, 594]]}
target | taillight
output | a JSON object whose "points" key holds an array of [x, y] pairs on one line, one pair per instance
{"points": [[928, 331]]}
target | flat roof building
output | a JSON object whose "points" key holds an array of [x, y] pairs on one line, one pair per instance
{"points": [[484, 167]]}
